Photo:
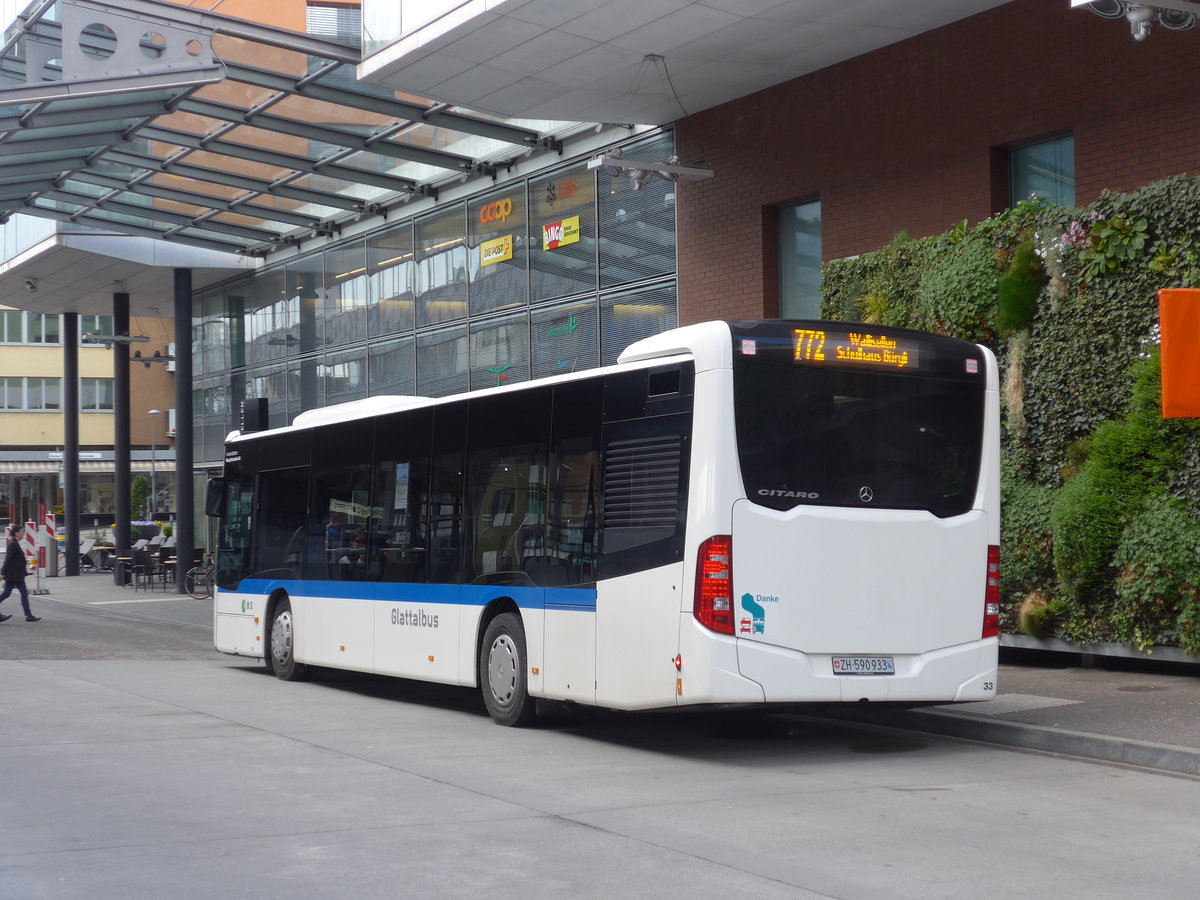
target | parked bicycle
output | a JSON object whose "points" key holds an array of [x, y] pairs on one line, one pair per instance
{"points": [[198, 580]]}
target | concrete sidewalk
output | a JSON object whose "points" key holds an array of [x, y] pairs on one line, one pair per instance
{"points": [[1147, 717]]}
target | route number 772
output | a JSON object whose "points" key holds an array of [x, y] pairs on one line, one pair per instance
{"points": [[810, 344]]}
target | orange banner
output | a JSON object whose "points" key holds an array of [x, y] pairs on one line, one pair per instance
{"points": [[1179, 318]]}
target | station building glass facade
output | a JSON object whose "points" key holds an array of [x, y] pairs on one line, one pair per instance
{"points": [[556, 272]]}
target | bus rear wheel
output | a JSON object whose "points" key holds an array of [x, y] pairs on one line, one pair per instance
{"points": [[504, 672], [282, 645]]}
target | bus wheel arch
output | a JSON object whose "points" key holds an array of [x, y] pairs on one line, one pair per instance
{"points": [[503, 668], [268, 618], [280, 640]]}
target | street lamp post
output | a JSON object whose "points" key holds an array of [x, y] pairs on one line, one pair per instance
{"points": [[154, 414]]}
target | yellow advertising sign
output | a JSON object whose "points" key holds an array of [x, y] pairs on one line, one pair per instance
{"points": [[497, 250], [559, 234]]}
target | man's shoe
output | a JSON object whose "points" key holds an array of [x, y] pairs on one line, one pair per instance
{"points": [[4, 618], [33, 618]]}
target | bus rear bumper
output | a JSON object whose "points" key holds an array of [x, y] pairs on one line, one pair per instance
{"points": [[961, 672], [707, 669]]}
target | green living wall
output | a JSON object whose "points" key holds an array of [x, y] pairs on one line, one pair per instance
{"points": [[1100, 526]]}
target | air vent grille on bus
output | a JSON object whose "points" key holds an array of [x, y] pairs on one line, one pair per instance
{"points": [[641, 482]]}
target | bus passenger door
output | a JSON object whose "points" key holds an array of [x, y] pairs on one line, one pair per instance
{"points": [[647, 445], [565, 564]]}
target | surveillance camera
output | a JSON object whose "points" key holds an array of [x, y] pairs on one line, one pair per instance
{"points": [[1140, 19], [1137, 13], [31, 285]]}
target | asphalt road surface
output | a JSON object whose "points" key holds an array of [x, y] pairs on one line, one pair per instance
{"points": [[141, 764]]}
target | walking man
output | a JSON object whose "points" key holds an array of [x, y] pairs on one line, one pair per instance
{"points": [[13, 572]]}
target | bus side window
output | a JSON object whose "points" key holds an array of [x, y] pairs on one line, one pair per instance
{"points": [[233, 538], [444, 498], [401, 492], [282, 496], [506, 464], [574, 485], [340, 504]]}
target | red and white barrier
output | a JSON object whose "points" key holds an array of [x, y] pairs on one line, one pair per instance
{"points": [[29, 544], [47, 544]]}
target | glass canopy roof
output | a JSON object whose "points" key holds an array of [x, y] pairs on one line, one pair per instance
{"points": [[151, 118]]}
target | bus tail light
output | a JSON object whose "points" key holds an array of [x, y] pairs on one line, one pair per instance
{"points": [[991, 594], [713, 604]]}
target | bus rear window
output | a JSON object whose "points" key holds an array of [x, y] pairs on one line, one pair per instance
{"points": [[863, 438]]}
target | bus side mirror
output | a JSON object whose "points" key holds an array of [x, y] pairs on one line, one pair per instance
{"points": [[214, 497]]}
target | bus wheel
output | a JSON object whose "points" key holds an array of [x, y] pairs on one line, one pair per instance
{"points": [[503, 668], [283, 645]]}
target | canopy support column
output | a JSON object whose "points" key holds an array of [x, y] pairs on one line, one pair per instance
{"points": [[70, 406], [121, 459], [185, 496]]}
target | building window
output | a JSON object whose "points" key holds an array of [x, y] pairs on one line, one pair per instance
{"points": [[17, 394], [343, 23], [12, 393], [1045, 170], [42, 393], [637, 222], [102, 325], [12, 327], [42, 329], [18, 327], [800, 261], [96, 394], [562, 234]]}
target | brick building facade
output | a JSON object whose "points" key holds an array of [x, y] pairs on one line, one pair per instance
{"points": [[915, 137]]}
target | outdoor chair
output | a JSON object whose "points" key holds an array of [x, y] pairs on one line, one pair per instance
{"points": [[146, 570], [86, 563]]}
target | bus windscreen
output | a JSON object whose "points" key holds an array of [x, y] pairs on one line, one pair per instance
{"points": [[830, 414]]}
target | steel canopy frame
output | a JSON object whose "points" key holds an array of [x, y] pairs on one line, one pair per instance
{"points": [[91, 95]]}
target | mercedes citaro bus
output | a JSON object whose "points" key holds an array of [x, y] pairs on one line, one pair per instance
{"points": [[735, 513]]}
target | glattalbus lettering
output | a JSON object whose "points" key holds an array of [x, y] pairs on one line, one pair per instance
{"points": [[414, 618]]}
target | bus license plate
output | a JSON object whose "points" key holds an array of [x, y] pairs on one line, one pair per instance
{"points": [[864, 665]]}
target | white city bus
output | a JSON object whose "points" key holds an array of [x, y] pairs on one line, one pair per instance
{"points": [[734, 513]]}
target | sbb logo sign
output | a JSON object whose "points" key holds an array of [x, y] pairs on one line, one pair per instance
{"points": [[495, 212]]}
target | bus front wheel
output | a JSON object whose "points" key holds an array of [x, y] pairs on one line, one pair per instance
{"points": [[503, 669], [282, 645]]}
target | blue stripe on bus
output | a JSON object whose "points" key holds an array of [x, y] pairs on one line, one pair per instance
{"points": [[571, 600], [568, 599]]}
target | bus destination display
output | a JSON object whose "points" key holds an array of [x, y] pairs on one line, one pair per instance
{"points": [[814, 346]]}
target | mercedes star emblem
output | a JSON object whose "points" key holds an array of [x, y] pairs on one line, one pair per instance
{"points": [[865, 494]]}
